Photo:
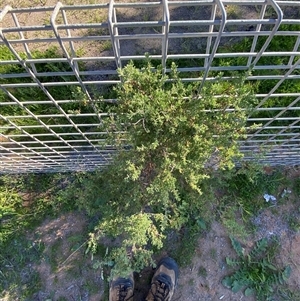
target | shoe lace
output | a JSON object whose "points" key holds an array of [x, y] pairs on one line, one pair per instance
{"points": [[123, 293], [160, 290]]}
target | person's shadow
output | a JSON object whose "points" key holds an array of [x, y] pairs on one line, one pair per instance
{"points": [[142, 283]]}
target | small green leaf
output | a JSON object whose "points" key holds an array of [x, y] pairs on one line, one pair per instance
{"points": [[227, 282], [237, 246], [271, 290], [237, 286], [249, 292], [231, 262], [286, 273], [270, 266], [280, 279], [201, 223]]}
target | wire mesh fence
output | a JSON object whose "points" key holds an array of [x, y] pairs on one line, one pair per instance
{"points": [[59, 63]]}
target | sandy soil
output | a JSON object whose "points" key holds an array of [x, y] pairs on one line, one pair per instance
{"points": [[67, 272]]}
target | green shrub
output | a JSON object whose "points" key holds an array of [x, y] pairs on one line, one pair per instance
{"points": [[169, 140]]}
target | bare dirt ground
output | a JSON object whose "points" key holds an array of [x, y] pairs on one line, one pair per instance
{"points": [[202, 280], [66, 272]]}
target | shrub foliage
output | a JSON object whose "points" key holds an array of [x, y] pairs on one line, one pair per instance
{"points": [[170, 136]]}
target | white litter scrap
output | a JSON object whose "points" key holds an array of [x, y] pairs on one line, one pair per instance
{"points": [[269, 197], [285, 192]]}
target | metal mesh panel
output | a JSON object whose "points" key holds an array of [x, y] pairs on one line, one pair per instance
{"points": [[60, 59]]}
